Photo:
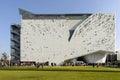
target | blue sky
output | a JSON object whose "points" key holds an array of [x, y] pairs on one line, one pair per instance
{"points": [[9, 13]]}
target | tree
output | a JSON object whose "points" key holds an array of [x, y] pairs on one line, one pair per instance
{"points": [[4, 59], [4, 56]]}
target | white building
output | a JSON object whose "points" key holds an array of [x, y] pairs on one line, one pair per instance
{"points": [[59, 37], [118, 55]]}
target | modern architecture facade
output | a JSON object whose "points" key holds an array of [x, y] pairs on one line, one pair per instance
{"points": [[15, 43], [55, 38]]}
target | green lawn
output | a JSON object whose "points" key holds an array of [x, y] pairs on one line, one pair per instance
{"points": [[60, 73]]}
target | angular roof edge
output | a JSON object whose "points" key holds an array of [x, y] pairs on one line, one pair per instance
{"points": [[24, 12]]}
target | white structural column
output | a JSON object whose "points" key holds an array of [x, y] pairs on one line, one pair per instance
{"points": [[96, 57]]}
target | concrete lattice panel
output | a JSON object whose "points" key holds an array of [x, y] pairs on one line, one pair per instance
{"points": [[47, 37]]}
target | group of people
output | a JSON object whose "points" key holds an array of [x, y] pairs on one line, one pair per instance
{"points": [[97, 65], [39, 65]]}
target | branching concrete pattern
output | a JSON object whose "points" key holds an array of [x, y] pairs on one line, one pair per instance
{"points": [[58, 37]]}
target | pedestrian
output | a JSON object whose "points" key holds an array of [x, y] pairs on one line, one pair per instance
{"points": [[93, 65], [97, 65]]}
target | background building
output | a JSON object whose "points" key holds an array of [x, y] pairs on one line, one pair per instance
{"points": [[15, 43], [118, 55], [55, 38]]}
